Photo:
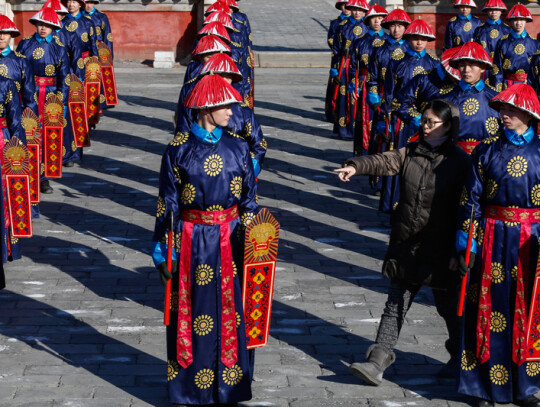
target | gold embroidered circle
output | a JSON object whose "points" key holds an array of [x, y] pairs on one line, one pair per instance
{"points": [[213, 165], [498, 375], [492, 125], [493, 34], [233, 375], [491, 189], [517, 166], [468, 360], [398, 54], [203, 274], [188, 194], [497, 273], [532, 368], [467, 27], [519, 49], [172, 369], [203, 325], [50, 70], [204, 378], [471, 106], [38, 53], [236, 186]]}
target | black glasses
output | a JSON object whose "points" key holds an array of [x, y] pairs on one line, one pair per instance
{"points": [[429, 123]]}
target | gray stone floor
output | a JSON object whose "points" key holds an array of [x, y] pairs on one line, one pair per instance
{"points": [[81, 318]]}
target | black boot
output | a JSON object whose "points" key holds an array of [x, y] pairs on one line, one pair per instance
{"points": [[372, 371], [530, 401], [45, 187], [69, 164], [484, 403]]}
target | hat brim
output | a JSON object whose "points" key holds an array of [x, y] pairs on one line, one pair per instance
{"points": [[454, 63], [221, 37], [528, 19], [429, 38], [387, 24], [495, 8], [375, 15], [35, 21], [237, 76], [222, 104], [463, 5], [14, 33], [358, 7], [212, 51], [497, 104], [339, 4]]}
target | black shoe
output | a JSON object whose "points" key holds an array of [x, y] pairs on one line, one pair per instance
{"points": [[69, 164], [45, 187], [530, 401], [484, 403]]}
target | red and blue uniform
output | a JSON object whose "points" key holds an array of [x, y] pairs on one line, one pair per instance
{"points": [[460, 30], [15, 66], [488, 34]]}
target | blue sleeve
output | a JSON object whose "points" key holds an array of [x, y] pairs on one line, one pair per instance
{"points": [[461, 242], [256, 167], [159, 251]]}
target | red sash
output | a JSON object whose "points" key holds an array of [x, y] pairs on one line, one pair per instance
{"points": [[42, 82], [468, 146], [3, 123], [229, 339], [519, 338], [365, 111]]}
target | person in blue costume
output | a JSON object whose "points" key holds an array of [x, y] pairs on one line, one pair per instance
{"points": [[415, 61], [514, 51], [478, 120], [503, 188], [332, 30], [460, 29], [349, 31], [14, 65], [209, 188], [10, 125], [215, 29], [487, 34], [103, 33], [243, 122], [50, 65], [362, 50]]}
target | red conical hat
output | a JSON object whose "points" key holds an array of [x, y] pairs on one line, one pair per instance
{"points": [[216, 29], [232, 4], [467, 3], [375, 11], [212, 91], [519, 11], [48, 16], [221, 64], [209, 44], [420, 28], [220, 17], [494, 5], [56, 6], [474, 52], [361, 4], [218, 6], [445, 61], [340, 3], [520, 96], [7, 26], [397, 15]]}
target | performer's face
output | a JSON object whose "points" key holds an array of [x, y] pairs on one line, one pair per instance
{"points": [[518, 24], [396, 30], [89, 7], [73, 6], [432, 125], [5, 38], [375, 23], [470, 72], [43, 30], [464, 10], [345, 10], [494, 15], [222, 115], [417, 43], [514, 119], [228, 78], [357, 14]]}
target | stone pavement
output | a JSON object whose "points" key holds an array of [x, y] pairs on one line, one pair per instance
{"points": [[81, 318]]}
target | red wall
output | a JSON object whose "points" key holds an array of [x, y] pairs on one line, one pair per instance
{"points": [[137, 34]]}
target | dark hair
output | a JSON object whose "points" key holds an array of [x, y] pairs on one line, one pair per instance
{"points": [[447, 112]]}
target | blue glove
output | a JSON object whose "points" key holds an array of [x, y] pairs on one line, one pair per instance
{"points": [[334, 72], [380, 127], [256, 167], [351, 88], [373, 100], [415, 122]]}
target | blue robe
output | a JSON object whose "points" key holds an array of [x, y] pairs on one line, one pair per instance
{"points": [[15, 66], [192, 71], [488, 34], [512, 56], [460, 30], [349, 32], [400, 71], [533, 78], [506, 175], [186, 183]]}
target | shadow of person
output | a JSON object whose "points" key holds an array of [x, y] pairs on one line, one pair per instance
{"points": [[85, 363]]}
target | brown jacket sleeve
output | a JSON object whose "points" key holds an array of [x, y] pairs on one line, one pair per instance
{"points": [[382, 164]]}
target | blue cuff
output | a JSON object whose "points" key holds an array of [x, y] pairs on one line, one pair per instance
{"points": [[351, 88], [381, 128], [256, 167], [159, 251], [333, 72], [373, 99], [461, 242], [415, 122]]}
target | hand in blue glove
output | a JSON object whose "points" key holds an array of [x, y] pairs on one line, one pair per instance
{"points": [[334, 72], [415, 123], [373, 100]]}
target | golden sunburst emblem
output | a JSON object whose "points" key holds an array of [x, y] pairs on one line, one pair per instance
{"points": [[398, 54], [464, 197], [38, 53], [84, 37], [98, 30], [498, 375], [50, 70], [109, 37], [517, 166], [203, 325], [232, 375], [468, 360], [342, 122], [491, 189], [215, 208], [160, 206], [519, 49], [213, 165], [4, 70], [535, 195], [467, 27], [457, 41], [188, 194], [471, 106], [507, 64], [494, 34], [419, 70], [204, 378], [179, 138], [492, 125], [203, 274], [236, 186], [498, 322], [357, 30], [378, 43], [72, 26], [172, 369], [532, 368], [497, 273]]}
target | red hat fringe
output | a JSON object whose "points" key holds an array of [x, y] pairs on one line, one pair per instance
{"points": [[221, 64], [376, 11], [466, 3], [520, 96], [420, 28], [494, 5], [216, 29], [220, 17], [519, 11], [445, 61], [48, 16], [56, 6], [209, 44], [218, 6], [212, 91], [474, 52], [7, 26], [396, 16], [361, 4]]}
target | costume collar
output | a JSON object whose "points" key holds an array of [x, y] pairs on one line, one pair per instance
{"points": [[440, 71], [341, 16], [462, 17], [413, 53], [6, 51], [91, 13], [77, 16], [519, 139], [48, 38], [206, 136], [393, 41], [516, 35], [352, 20], [491, 22], [478, 86], [379, 33]]}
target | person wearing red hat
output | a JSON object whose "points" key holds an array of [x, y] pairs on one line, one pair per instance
{"points": [[361, 51], [478, 120], [50, 65], [503, 189], [15, 66], [460, 29], [349, 31], [416, 61], [204, 176], [243, 121], [487, 34], [513, 52]]}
